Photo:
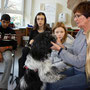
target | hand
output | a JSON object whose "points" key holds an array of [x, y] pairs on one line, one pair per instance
{"points": [[31, 41], [60, 43], [55, 46]]}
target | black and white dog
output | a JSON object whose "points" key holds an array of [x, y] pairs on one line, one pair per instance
{"points": [[38, 64]]}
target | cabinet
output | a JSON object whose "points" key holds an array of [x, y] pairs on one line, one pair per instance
{"points": [[19, 34], [28, 30], [73, 33]]}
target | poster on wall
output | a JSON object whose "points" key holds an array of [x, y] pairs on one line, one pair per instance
{"points": [[50, 11]]}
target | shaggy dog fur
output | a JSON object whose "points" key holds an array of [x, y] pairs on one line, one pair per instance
{"points": [[40, 69]]}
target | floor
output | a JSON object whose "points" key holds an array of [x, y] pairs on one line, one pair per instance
{"points": [[17, 56]]}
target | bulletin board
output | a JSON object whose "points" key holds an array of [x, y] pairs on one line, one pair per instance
{"points": [[50, 11]]}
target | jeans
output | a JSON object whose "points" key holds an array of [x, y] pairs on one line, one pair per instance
{"points": [[75, 80]]}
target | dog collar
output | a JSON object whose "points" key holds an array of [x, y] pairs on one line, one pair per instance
{"points": [[28, 68]]}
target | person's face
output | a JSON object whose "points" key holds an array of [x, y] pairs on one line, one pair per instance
{"points": [[80, 20], [5, 23], [59, 32], [40, 20]]}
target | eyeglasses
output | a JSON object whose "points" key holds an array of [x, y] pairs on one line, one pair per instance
{"points": [[77, 16]]}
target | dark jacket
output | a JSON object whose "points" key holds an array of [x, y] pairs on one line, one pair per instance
{"points": [[34, 33], [7, 37]]}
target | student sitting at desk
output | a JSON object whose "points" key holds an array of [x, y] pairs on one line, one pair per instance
{"points": [[7, 44]]}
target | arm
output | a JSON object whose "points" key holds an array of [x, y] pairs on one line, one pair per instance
{"points": [[31, 41], [32, 34], [77, 57], [2, 49], [57, 61], [13, 41], [75, 60]]}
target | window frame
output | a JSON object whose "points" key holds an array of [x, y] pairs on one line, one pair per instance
{"points": [[4, 10]]}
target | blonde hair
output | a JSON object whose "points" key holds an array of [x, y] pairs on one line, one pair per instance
{"points": [[88, 56], [61, 24]]}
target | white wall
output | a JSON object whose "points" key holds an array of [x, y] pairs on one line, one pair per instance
{"points": [[35, 8], [27, 12], [62, 8]]}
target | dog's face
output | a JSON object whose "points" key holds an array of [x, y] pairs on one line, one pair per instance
{"points": [[41, 46]]}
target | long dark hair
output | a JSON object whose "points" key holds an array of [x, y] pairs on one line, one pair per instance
{"points": [[35, 23]]}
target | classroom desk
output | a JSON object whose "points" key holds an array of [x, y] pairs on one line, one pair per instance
{"points": [[19, 34], [73, 33], [28, 30]]}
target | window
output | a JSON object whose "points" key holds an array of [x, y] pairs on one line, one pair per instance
{"points": [[15, 4], [16, 19], [0, 3], [15, 9]]}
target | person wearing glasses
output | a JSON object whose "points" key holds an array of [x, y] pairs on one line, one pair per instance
{"points": [[71, 4], [76, 55]]}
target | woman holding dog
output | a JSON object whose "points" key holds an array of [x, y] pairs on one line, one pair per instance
{"points": [[40, 25], [76, 56], [62, 39]]}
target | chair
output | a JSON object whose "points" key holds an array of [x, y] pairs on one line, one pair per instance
{"points": [[25, 39], [12, 72]]}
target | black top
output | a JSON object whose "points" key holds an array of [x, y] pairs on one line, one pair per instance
{"points": [[7, 37], [34, 33]]}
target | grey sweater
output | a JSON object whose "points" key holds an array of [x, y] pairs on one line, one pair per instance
{"points": [[76, 55], [56, 60]]}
